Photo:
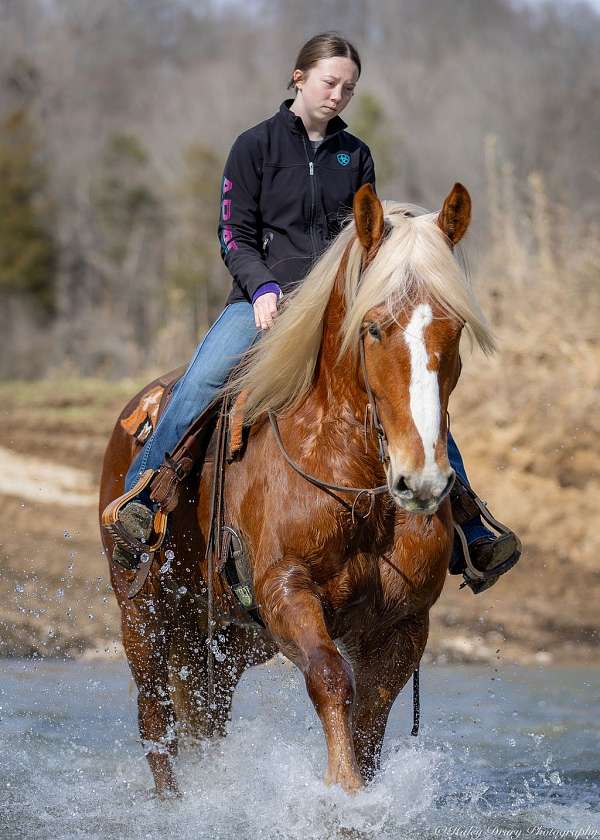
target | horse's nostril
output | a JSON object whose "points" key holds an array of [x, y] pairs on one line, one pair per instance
{"points": [[402, 487]]}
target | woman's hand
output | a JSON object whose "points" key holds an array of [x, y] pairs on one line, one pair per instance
{"points": [[265, 309]]}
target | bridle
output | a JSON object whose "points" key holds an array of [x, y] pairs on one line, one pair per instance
{"points": [[376, 425], [382, 447]]}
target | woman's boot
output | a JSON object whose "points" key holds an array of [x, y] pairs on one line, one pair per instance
{"points": [[484, 559]]}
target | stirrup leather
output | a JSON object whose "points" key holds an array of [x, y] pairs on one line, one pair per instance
{"points": [[171, 473], [112, 524]]}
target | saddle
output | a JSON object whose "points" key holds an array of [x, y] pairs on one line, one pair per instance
{"points": [[217, 434], [143, 416]]}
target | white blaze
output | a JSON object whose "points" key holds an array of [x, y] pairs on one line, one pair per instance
{"points": [[424, 391]]}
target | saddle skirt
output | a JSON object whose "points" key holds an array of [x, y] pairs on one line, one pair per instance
{"points": [[140, 416]]}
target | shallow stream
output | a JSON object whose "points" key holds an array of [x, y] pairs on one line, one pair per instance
{"points": [[503, 752]]}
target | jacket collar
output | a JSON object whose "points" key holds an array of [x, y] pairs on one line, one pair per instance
{"points": [[294, 122]]}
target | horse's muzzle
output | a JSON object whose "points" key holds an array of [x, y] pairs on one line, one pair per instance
{"points": [[409, 501]]}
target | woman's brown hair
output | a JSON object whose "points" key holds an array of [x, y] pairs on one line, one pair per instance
{"points": [[325, 45]]}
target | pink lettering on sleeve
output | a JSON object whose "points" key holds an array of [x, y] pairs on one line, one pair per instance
{"points": [[228, 240]]}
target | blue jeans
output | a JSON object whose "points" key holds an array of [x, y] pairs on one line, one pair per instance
{"points": [[219, 351], [474, 528], [217, 354]]}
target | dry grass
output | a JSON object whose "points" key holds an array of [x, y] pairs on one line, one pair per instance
{"points": [[533, 409]]}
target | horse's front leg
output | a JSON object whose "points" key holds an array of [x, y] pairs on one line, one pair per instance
{"points": [[293, 613], [382, 666]]}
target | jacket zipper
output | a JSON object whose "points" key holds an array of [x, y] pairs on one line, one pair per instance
{"points": [[266, 243], [311, 172]]}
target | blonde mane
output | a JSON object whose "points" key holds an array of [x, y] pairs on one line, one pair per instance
{"points": [[413, 259]]}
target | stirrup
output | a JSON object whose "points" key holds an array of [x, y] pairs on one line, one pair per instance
{"points": [[112, 524], [474, 577]]}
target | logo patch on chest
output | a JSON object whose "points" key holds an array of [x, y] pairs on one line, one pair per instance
{"points": [[343, 158]]}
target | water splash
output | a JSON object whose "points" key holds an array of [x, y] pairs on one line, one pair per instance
{"points": [[76, 768]]}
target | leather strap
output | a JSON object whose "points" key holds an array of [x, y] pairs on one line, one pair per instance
{"points": [[141, 575], [416, 704], [382, 447], [165, 485], [481, 508], [464, 506], [194, 435], [382, 441], [177, 465], [213, 542], [325, 485], [372, 407]]}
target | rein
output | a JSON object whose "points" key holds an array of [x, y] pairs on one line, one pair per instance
{"points": [[382, 448]]}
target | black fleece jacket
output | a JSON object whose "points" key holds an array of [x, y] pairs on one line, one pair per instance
{"points": [[282, 202]]}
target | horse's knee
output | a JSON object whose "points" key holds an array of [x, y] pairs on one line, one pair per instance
{"points": [[155, 704], [329, 679]]}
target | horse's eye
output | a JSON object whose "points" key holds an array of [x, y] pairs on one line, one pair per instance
{"points": [[375, 331]]}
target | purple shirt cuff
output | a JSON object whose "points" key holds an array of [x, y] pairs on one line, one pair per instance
{"points": [[264, 289]]}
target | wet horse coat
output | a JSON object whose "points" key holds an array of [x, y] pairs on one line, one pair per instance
{"points": [[345, 598]]}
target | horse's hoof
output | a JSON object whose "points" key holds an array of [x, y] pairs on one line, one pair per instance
{"points": [[169, 794], [351, 784]]}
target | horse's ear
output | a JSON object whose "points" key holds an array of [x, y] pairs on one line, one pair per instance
{"points": [[368, 215], [455, 215]]}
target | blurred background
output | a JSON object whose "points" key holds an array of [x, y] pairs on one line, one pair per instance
{"points": [[116, 117]]}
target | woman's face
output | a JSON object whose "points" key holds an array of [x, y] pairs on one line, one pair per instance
{"points": [[327, 87]]}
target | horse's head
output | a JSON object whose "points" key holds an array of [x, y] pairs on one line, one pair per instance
{"points": [[411, 341], [391, 284]]}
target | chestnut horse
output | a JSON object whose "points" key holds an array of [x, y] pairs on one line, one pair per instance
{"points": [[344, 590]]}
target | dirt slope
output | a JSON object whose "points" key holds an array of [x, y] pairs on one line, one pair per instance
{"points": [[55, 595]]}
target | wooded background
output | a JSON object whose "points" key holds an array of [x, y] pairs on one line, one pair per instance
{"points": [[116, 117]]}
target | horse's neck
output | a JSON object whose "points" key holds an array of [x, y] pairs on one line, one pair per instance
{"points": [[336, 379], [336, 403]]}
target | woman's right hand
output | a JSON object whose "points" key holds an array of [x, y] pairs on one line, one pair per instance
{"points": [[265, 309]]}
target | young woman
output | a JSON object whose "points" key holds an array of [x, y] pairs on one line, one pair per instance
{"points": [[288, 184]]}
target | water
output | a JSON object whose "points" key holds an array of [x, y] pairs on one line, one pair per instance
{"points": [[503, 752]]}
